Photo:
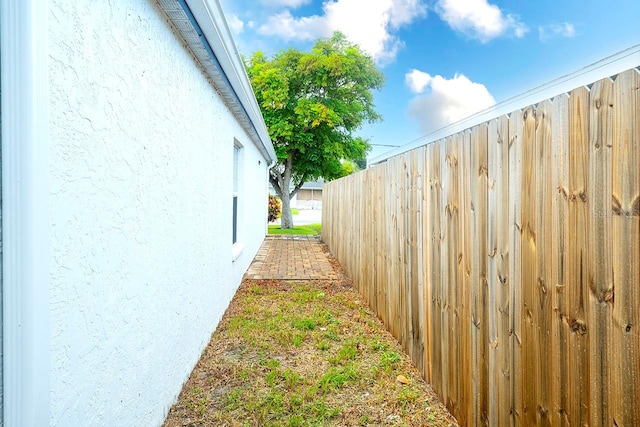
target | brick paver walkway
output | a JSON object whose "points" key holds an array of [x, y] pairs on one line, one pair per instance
{"points": [[291, 258]]}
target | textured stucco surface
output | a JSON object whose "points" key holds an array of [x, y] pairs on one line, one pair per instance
{"points": [[141, 163]]}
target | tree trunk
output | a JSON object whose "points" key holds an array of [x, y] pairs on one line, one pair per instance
{"points": [[286, 218], [281, 182]]}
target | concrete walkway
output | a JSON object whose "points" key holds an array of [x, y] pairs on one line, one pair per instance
{"points": [[291, 258]]}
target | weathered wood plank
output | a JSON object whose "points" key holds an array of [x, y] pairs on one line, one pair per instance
{"points": [[558, 247], [544, 287], [498, 280], [467, 328], [417, 331], [427, 239], [577, 283], [478, 192], [445, 279], [492, 276], [530, 337], [625, 222], [436, 303], [516, 123], [452, 283], [600, 281]]}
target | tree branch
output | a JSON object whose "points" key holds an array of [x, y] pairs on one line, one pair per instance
{"points": [[275, 178]]}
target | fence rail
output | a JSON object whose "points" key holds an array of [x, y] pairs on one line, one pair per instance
{"points": [[506, 259]]}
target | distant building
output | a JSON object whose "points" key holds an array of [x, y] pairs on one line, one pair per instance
{"points": [[308, 197]]}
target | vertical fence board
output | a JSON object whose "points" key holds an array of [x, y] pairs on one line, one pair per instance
{"points": [[625, 220], [600, 279], [478, 194], [450, 267], [558, 248], [467, 401], [416, 255], [443, 286], [529, 281], [543, 288], [577, 286], [427, 261], [476, 291], [506, 259], [498, 280], [436, 303], [515, 266], [492, 275]]}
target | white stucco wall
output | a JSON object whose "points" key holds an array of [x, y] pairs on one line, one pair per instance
{"points": [[141, 163]]}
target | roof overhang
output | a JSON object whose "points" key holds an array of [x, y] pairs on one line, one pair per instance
{"points": [[202, 26]]}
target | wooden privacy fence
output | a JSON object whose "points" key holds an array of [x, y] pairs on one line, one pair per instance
{"points": [[506, 259]]}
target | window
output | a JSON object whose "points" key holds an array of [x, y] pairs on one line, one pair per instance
{"points": [[236, 178]]}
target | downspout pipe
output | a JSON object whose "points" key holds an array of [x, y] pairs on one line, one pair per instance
{"points": [[25, 214]]}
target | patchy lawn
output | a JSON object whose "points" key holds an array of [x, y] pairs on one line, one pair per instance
{"points": [[304, 354]]}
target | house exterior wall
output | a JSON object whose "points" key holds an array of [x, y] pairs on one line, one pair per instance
{"points": [[141, 153], [309, 199]]}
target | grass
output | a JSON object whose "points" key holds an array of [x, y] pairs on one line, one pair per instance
{"points": [[304, 354], [310, 229]]}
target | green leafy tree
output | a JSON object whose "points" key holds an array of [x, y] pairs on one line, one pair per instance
{"points": [[312, 103]]}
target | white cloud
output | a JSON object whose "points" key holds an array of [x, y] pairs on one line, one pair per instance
{"points": [[479, 19], [235, 24], [547, 32], [288, 27], [443, 101], [286, 3], [370, 24], [417, 80]]}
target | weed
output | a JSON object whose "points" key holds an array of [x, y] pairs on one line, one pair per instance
{"points": [[296, 421], [232, 399], [291, 378], [304, 295], [364, 420], [388, 359], [377, 345], [322, 412], [271, 363], [336, 377], [304, 324], [256, 290], [325, 317], [331, 335], [323, 346], [297, 340], [271, 378], [347, 352], [407, 395]]}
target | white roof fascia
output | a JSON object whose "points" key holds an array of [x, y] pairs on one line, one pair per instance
{"points": [[608, 67], [226, 69]]}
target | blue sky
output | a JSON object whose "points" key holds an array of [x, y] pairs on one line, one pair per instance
{"points": [[444, 59]]}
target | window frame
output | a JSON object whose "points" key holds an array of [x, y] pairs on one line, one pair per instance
{"points": [[236, 203]]}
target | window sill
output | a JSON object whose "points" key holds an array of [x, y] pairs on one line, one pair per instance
{"points": [[236, 251]]}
